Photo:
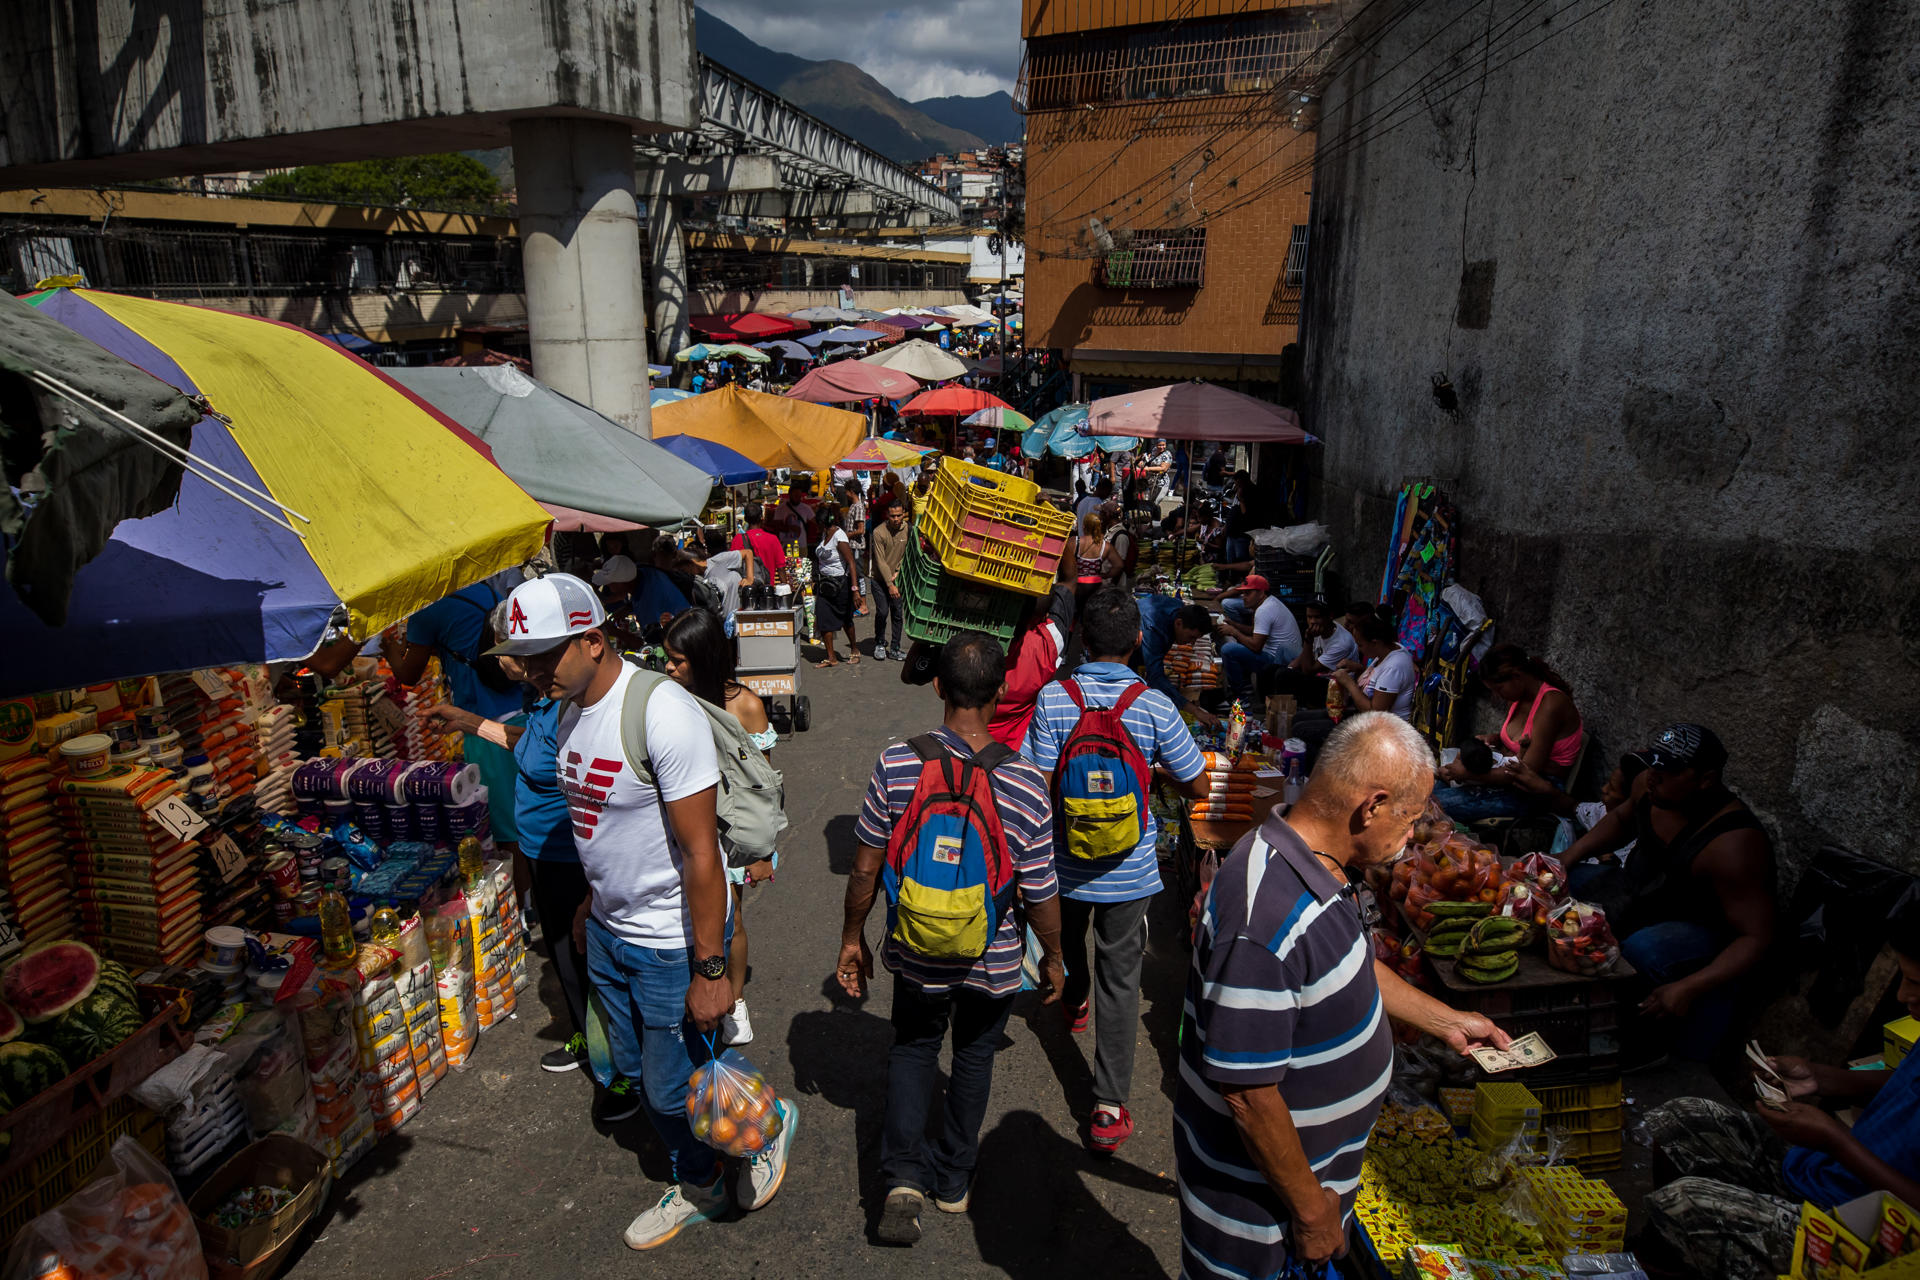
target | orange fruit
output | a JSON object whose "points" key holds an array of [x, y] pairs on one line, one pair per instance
{"points": [[724, 1131], [751, 1139]]}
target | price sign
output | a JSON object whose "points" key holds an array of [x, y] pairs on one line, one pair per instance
{"points": [[177, 818], [213, 684], [391, 717], [9, 936], [228, 859]]}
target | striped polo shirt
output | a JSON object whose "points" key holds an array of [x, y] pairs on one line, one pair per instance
{"points": [[1163, 739], [1282, 993], [1020, 793]]}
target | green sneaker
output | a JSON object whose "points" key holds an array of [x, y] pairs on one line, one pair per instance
{"points": [[616, 1103], [570, 1056]]}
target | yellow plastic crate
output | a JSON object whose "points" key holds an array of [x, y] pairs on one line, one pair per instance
{"points": [[1577, 1097], [991, 528]]}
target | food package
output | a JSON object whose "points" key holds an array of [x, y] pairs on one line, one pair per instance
{"points": [[1579, 939], [731, 1106], [1535, 885], [130, 1221]]}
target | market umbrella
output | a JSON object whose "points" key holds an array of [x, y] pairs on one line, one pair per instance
{"points": [[921, 359], [559, 450], [1196, 411], [659, 370], [667, 395], [772, 430], [876, 454], [1064, 432], [841, 334], [954, 400], [717, 351], [403, 507], [785, 349], [846, 381], [721, 464], [826, 315], [744, 327], [1000, 419], [94, 439]]}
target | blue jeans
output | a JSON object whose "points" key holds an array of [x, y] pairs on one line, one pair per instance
{"points": [[1474, 802], [913, 1070], [1671, 950], [1242, 664], [644, 993]]}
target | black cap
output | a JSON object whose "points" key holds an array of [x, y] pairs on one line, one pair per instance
{"points": [[1685, 746]]}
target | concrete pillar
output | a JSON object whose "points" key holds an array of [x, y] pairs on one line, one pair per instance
{"points": [[580, 247], [667, 282]]}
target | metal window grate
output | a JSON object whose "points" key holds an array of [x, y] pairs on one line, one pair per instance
{"points": [[1254, 54], [1296, 275], [1158, 260]]}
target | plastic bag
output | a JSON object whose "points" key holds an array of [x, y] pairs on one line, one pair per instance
{"points": [[1579, 940], [130, 1221], [1294, 539], [1534, 886], [731, 1106]]}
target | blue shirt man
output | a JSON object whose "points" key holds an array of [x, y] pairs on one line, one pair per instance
{"points": [[1111, 895], [1164, 623], [458, 631], [559, 885]]}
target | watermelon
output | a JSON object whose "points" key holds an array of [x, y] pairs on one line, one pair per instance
{"points": [[27, 1069], [10, 1024], [115, 978], [49, 979], [92, 1027]]}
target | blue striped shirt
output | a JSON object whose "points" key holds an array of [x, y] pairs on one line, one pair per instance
{"points": [[1163, 738], [1282, 992], [1020, 793]]}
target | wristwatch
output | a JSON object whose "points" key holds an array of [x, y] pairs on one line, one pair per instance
{"points": [[711, 967]]}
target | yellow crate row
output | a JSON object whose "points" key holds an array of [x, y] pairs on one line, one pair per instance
{"points": [[71, 1163]]}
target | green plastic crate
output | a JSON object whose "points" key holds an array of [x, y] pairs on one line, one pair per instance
{"points": [[940, 605]]}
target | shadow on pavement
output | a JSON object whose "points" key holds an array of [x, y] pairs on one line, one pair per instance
{"points": [[841, 842], [1035, 1214], [1163, 986], [839, 1056]]}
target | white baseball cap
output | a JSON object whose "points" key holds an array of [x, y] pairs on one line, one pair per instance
{"points": [[543, 612], [616, 569]]}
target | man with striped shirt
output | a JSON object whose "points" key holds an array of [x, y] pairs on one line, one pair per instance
{"points": [[1285, 1049], [975, 997], [1111, 894]]}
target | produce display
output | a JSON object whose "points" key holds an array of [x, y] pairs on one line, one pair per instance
{"points": [[1579, 940], [1443, 865], [128, 1222], [1535, 885], [1491, 950], [64, 1006], [731, 1106], [1452, 921]]}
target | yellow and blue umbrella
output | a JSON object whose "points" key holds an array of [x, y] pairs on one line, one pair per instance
{"points": [[384, 506]]}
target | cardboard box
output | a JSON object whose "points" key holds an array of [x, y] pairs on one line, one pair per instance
{"points": [[1848, 1243], [1898, 1040]]}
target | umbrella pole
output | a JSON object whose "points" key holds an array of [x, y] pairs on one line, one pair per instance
{"points": [[1186, 525]]}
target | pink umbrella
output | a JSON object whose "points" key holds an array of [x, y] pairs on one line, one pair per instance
{"points": [[845, 381], [1195, 411]]}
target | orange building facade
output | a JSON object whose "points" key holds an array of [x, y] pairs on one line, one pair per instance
{"points": [[1168, 167]]}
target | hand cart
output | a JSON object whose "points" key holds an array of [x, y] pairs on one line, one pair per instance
{"points": [[770, 664]]}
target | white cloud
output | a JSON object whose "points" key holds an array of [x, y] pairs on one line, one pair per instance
{"points": [[932, 50]]}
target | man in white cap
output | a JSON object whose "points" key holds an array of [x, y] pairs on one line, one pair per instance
{"points": [[655, 926], [614, 580]]}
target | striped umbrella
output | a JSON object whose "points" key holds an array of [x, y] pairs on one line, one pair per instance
{"points": [[384, 506]]}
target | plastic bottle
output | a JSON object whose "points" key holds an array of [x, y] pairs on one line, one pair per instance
{"points": [[472, 862], [383, 927], [337, 947]]}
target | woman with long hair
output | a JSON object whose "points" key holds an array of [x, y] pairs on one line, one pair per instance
{"points": [[1548, 740], [837, 598], [700, 659], [1089, 556]]}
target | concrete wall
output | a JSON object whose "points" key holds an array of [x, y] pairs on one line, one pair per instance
{"points": [[411, 317], [1669, 259], [105, 90], [720, 302]]}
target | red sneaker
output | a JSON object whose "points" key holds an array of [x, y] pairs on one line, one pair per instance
{"points": [[1108, 1131], [1077, 1019]]}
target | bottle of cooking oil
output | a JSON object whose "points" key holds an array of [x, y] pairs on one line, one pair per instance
{"points": [[472, 862], [383, 927], [338, 950]]}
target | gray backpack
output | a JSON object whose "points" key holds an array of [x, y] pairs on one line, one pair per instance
{"points": [[750, 801]]}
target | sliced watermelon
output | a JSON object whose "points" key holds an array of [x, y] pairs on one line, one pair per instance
{"points": [[27, 1069], [49, 979], [92, 1027], [11, 1024]]}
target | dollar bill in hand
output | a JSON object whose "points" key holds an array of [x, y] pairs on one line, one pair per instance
{"points": [[1528, 1051]]}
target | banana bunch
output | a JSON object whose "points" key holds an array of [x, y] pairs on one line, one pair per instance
{"points": [[1451, 921], [1490, 952]]}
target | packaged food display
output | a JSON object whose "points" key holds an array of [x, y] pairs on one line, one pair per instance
{"points": [[129, 1221]]}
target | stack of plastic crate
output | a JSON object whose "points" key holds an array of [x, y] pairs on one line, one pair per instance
{"points": [[983, 547]]}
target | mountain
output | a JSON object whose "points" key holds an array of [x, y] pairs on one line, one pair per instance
{"points": [[837, 92], [991, 116]]}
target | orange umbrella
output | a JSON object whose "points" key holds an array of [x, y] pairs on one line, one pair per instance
{"points": [[955, 400]]}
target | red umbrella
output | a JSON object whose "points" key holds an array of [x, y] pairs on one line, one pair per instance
{"points": [[956, 400], [1194, 411], [746, 327], [845, 381]]}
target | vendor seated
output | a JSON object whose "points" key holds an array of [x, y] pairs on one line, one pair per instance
{"points": [[1731, 1211], [1257, 631], [1328, 645], [1549, 740], [1694, 906]]}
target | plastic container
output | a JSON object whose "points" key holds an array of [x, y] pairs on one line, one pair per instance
{"points": [[225, 945], [87, 755], [991, 528], [938, 607]]}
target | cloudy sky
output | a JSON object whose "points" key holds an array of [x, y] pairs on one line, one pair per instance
{"points": [[925, 50]]}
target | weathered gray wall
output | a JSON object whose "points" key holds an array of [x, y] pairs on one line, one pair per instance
{"points": [[1685, 458], [107, 90]]}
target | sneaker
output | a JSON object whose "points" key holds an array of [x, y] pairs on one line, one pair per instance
{"points": [[734, 1027], [955, 1204], [1077, 1018], [1109, 1129], [617, 1102], [767, 1170], [570, 1056], [682, 1206], [879, 653], [900, 1216]]}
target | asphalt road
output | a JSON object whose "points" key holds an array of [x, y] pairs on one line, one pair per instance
{"points": [[503, 1174]]}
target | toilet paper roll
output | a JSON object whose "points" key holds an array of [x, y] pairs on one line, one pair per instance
{"points": [[442, 783]]}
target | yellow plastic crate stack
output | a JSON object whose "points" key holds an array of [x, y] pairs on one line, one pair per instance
{"points": [[1576, 1214], [1588, 1121], [992, 528]]}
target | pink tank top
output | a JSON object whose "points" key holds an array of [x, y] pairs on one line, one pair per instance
{"points": [[1564, 752]]}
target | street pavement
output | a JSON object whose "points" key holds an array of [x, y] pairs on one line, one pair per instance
{"points": [[503, 1174]]}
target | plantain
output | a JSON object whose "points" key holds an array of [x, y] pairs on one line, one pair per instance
{"points": [[1446, 909]]}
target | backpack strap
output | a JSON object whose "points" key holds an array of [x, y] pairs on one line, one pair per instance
{"points": [[1072, 686], [928, 747], [989, 757], [633, 722], [1128, 698]]}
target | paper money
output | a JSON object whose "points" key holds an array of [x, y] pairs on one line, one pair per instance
{"points": [[1528, 1051], [1767, 1084]]}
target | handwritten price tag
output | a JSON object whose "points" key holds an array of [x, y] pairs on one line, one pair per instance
{"points": [[9, 936], [228, 858], [213, 684], [178, 819]]}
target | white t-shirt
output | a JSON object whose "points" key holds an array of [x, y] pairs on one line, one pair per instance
{"points": [[1393, 674], [1275, 621], [826, 556], [1331, 651], [627, 849], [723, 570]]}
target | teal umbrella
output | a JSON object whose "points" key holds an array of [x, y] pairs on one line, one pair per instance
{"points": [[1062, 431]]}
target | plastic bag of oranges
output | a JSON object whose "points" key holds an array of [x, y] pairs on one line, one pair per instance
{"points": [[127, 1224], [731, 1106]]}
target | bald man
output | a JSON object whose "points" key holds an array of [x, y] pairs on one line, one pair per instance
{"points": [[1286, 1048]]}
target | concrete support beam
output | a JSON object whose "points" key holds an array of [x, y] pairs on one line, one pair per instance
{"points": [[801, 204], [580, 250], [667, 281], [706, 177]]}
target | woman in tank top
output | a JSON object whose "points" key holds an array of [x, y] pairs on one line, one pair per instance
{"points": [[1548, 738]]}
